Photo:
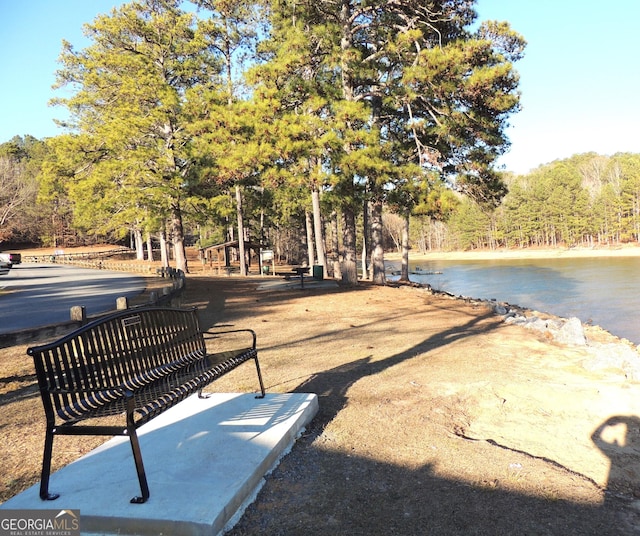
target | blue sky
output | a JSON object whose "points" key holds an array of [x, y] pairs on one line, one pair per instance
{"points": [[579, 78]]}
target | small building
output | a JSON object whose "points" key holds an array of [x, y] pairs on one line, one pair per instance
{"points": [[223, 255]]}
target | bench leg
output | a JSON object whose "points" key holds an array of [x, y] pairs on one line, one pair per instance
{"points": [[46, 468], [142, 477], [137, 458], [261, 395]]}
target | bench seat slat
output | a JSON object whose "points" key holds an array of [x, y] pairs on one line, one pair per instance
{"points": [[151, 392]]}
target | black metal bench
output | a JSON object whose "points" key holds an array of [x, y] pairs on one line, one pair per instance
{"points": [[134, 364]]}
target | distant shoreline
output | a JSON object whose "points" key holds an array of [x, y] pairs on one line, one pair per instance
{"points": [[414, 255], [528, 253]]}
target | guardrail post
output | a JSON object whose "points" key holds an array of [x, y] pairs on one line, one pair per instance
{"points": [[79, 314]]}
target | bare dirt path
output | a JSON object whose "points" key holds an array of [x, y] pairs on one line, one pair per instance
{"points": [[435, 417]]}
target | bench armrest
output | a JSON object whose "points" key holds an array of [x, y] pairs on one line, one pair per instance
{"points": [[216, 334]]}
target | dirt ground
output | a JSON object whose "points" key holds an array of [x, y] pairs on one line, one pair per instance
{"points": [[435, 417]]}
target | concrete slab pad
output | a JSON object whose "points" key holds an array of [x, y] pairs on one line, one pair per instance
{"points": [[205, 461]]}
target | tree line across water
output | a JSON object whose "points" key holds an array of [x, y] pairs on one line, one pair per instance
{"points": [[311, 128], [588, 200]]}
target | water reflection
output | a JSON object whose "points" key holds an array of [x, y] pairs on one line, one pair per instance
{"points": [[603, 291]]}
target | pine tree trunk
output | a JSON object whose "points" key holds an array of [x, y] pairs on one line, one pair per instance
{"points": [[349, 263], [164, 250], [350, 270], [335, 246], [139, 243], [404, 272], [177, 237], [149, 248], [243, 261], [309, 226], [366, 242], [377, 249], [321, 255]]}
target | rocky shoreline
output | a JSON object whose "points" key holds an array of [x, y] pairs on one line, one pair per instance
{"points": [[619, 354], [613, 353]]}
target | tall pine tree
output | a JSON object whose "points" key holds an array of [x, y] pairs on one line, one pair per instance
{"points": [[127, 109]]}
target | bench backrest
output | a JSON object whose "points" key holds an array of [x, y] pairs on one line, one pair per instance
{"points": [[119, 349]]}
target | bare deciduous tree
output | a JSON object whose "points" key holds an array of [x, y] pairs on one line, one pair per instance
{"points": [[17, 189]]}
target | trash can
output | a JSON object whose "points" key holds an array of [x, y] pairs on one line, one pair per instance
{"points": [[318, 272]]}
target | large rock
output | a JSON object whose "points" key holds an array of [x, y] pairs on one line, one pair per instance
{"points": [[572, 332]]}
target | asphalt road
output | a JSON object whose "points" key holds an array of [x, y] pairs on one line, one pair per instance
{"points": [[33, 295]]}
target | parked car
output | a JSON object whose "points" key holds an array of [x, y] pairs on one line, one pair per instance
{"points": [[4, 267], [11, 258]]}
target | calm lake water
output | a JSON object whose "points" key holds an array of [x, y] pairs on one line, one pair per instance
{"points": [[602, 291]]}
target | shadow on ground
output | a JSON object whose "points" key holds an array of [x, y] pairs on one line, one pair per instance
{"points": [[320, 488]]}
